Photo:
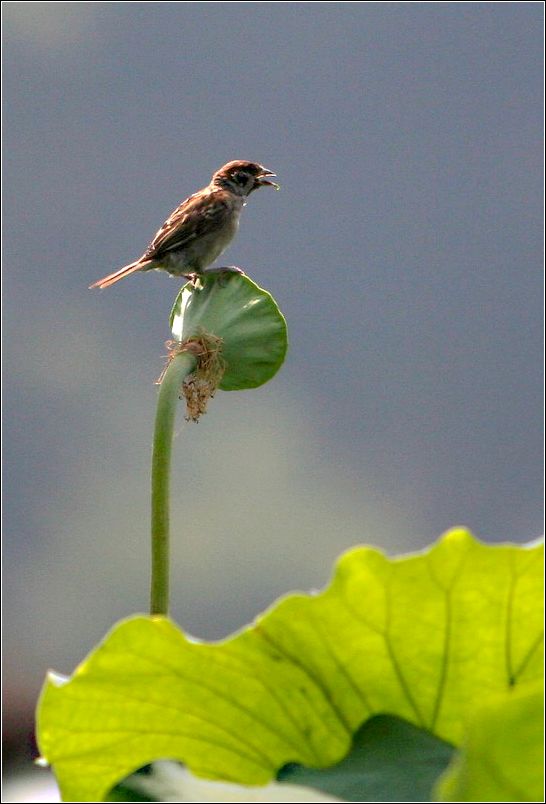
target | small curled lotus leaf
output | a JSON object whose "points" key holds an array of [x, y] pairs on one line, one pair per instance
{"points": [[246, 318]]}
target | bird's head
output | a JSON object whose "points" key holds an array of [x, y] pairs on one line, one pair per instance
{"points": [[243, 177]]}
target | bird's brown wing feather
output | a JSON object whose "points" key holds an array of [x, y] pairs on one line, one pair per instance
{"points": [[197, 215]]}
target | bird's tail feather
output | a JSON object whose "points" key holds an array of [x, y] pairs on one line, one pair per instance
{"points": [[111, 279]]}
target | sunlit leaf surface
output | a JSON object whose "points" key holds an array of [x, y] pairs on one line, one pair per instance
{"points": [[426, 637], [502, 756]]}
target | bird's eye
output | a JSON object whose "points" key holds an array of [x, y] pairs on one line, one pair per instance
{"points": [[241, 177]]}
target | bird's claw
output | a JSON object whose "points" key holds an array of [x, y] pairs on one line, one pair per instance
{"points": [[193, 279]]}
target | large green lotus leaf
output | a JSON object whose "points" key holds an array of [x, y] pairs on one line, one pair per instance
{"points": [[425, 637], [244, 316], [502, 756]]}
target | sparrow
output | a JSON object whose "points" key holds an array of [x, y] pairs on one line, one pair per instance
{"points": [[201, 227]]}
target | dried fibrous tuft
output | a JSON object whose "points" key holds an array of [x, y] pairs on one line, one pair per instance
{"points": [[199, 386]]}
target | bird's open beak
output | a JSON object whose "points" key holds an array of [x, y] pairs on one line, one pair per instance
{"points": [[261, 179]]}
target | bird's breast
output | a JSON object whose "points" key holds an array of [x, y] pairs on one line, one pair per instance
{"points": [[207, 248]]}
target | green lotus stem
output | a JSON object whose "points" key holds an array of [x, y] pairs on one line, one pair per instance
{"points": [[179, 367]]}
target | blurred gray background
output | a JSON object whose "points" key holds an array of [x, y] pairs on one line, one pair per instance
{"points": [[405, 249]]}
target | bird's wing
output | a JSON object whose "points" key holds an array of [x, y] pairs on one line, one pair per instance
{"points": [[199, 214]]}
